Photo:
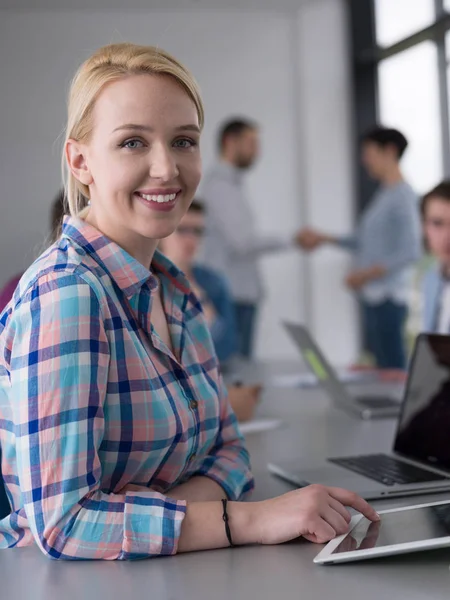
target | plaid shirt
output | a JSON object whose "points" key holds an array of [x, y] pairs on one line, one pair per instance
{"points": [[91, 400]]}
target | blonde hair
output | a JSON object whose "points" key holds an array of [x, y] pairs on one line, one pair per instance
{"points": [[106, 65]]}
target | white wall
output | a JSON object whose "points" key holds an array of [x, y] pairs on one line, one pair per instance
{"points": [[247, 63], [325, 110]]}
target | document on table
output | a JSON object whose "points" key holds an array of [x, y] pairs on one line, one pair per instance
{"points": [[306, 380], [257, 425]]}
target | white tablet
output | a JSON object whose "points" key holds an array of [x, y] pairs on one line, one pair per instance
{"points": [[401, 530]]}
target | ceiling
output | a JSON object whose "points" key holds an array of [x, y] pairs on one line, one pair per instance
{"points": [[275, 5]]}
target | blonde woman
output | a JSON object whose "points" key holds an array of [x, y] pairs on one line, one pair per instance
{"points": [[118, 440]]}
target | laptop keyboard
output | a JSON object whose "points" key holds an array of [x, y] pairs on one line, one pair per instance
{"points": [[386, 469], [379, 402]]}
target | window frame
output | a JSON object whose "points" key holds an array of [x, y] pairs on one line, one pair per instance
{"points": [[366, 56]]}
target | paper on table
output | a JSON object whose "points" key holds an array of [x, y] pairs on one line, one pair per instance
{"points": [[305, 380], [293, 380], [257, 425]]}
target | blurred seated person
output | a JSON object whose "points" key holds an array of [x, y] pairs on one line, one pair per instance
{"points": [[209, 286], [435, 209], [56, 217], [213, 293]]}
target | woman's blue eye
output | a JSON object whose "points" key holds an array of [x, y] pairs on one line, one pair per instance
{"points": [[185, 143], [132, 144]]}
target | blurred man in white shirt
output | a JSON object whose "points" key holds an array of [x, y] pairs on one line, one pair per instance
{"points": [[231, 245]]}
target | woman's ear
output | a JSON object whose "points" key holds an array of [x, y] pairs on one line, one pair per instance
{"points": [[77, 161]]}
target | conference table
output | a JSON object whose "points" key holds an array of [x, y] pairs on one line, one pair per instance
{"points": [[311, 428]]}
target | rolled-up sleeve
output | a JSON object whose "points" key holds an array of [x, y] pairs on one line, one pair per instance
{"points": [[228, 463], [347, 242], [59, 372]]}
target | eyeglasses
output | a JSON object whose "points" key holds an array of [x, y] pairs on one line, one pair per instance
{"points": [[195, 231]]}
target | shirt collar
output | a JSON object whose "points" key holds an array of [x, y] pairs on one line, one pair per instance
{"points": [[127, 272]]}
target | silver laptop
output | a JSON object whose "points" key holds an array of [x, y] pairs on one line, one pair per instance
{"points": [[420, 458], [365, 407]]}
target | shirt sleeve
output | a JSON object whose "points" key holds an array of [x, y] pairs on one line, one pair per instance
{"points": [[404, 236], [59, 376], [228, 463], [347, 242], [225, 203]]}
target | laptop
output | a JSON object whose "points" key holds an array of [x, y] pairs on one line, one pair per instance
{"points": [[419, 461], [365, 407]]}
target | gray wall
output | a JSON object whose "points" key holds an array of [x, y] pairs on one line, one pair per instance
{"points": [[266, 65]]}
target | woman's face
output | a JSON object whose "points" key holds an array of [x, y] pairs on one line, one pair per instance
{"points": [[142, 162]]}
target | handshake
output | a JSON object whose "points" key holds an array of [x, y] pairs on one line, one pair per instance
{"points": [[310, 239]]}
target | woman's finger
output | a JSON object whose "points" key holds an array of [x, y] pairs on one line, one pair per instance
{"points": [[340, 508], [336, 520], [320, 531]]}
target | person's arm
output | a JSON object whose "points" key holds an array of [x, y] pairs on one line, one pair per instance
{"points": [[317, 513], [225, 472], [346, 242], [59, 361], [225, 204], [228, 462], [198, 489], [404, 245], [59, 375], [244, 400], [311, 239], [404, 235]]}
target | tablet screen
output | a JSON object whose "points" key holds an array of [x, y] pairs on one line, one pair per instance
{"points": [[415, 525]]}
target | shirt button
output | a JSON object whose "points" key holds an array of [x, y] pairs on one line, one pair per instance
{"points": [[192, 457], [194, 404]]}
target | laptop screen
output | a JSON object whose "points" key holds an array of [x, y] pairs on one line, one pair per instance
{"points": [[424, 426], [317, 363]]}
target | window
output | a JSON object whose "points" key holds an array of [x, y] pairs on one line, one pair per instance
{"points": [[397, 19], [408, 99], [406, 86], [447, 45]]}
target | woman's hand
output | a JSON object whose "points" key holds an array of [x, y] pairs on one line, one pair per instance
{"points": [[243, 400], [316, 512]]}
